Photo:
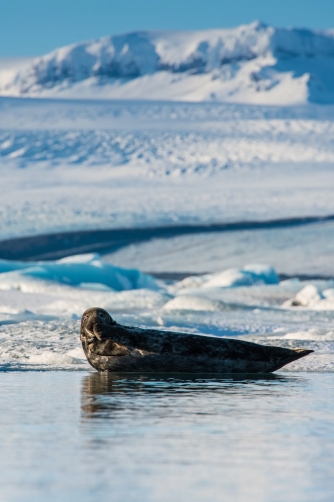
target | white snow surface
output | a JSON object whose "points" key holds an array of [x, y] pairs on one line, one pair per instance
{"points": [[81, 164], [252, 63]]}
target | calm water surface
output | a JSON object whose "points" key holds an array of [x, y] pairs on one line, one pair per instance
{"points": [[68, 436]]}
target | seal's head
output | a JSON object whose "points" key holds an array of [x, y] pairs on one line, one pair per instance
{"points": [[91, 317]]}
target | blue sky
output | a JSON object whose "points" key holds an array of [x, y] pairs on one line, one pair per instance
{"points": [[33, 27]]}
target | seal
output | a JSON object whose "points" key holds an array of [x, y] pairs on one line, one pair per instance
{"points": [[112, 347]]}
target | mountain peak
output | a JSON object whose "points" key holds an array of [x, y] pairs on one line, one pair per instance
{"points": [[249, 63]]}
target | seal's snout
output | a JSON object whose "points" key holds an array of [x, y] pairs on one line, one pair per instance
{"points": [[90, 318]]}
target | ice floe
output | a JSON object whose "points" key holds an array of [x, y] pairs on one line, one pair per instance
{"points": [[247, 276], [81, 271], [41, 306], [250, 275], [311, 297]]}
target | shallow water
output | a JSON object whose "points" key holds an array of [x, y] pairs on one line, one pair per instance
{"points": [[86, 436]]}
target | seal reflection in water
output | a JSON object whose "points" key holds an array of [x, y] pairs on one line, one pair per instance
{"points": [[99, 390], [109, 346]]}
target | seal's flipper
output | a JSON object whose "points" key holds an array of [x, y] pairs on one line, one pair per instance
{"points": [[109, 348]]}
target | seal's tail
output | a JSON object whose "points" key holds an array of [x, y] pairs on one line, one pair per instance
{"points": [[295, 354]]}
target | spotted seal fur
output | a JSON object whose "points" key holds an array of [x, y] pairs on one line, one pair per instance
{"points": [[112, 347]]}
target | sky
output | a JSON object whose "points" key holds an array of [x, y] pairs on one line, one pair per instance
{"points": [[34, 27]]}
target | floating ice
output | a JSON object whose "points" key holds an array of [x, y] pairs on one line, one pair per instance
{"points": [[311, 297], [80, 271], [249, 275]]}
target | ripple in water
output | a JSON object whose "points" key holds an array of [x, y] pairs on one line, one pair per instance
{"points": [[73, 436]]}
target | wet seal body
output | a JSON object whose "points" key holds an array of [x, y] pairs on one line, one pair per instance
{"points": [[115, 348]]}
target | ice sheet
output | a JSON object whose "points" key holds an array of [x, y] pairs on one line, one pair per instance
{"points": [[70, 165]]}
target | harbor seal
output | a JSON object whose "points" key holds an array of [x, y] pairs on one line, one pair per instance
{"points": [[112, 347]]}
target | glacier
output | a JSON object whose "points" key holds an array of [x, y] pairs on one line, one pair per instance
{"points": [[80, 164], [253, 63]]}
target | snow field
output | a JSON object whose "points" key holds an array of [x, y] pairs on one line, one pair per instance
{"points": [[70, 165]]}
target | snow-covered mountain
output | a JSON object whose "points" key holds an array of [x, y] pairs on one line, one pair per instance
{"points": [[252, 63]]}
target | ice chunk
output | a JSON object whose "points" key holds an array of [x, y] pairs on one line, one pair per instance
{"points": [[247, 276], [312, 298], [265, 273], [308, 295], [79, 270]]}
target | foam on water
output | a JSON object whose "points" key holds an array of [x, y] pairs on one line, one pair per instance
{"points": [[41, 305]]}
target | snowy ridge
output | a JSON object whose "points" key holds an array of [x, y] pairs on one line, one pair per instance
{"points": [[250, 63]]}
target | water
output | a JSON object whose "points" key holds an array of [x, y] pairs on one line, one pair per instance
{"points": [[68, 436]]}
